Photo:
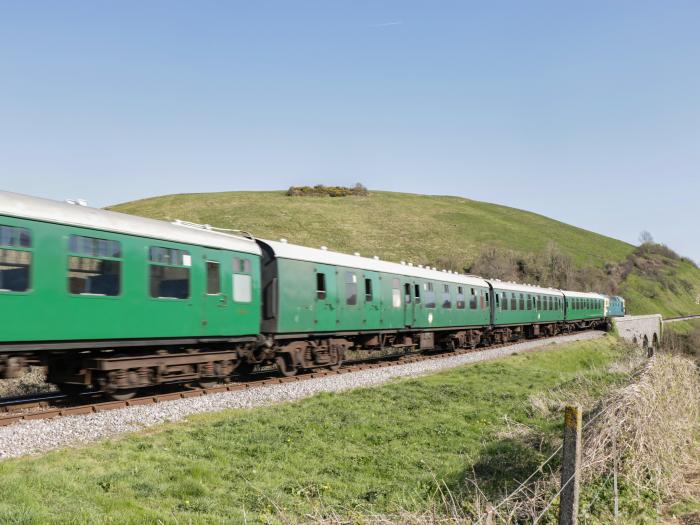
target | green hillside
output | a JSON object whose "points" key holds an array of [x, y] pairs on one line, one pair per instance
{"points": [[444, 231]]}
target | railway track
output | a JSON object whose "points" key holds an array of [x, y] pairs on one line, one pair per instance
{"points": [[54, 405], [682, 318]]}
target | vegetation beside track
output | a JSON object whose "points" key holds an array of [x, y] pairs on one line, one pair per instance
{"points": [[378, 450], [454, 233]]}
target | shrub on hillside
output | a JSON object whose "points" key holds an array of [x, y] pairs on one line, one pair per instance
{"points": [[327, 191]]}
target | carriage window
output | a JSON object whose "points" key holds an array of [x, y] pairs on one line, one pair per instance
{"points": [[460, 298], [504, 302], [513, 302], [171, 282], [98, 273], [416, 297], [407, 293], [242, 281], [529, 302], [368, 290], [446, 297], [429, 295], [538, 302], [14, 270], [213, 278], [522, 302], [551, 307], [350, 288], [88, 276], [320, 285], [242, 288], [472, 299], [14, 236], [93, 247], [170, 275], [395, 293]]}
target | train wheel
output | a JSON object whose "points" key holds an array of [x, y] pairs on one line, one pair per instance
{"points": [[284, 366], [123, 395]]}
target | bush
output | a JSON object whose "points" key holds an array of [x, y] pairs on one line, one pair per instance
{"points": [[327, 191]]}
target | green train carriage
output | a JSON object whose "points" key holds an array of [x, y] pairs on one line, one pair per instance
{"points": [[524, 310], [584, 309], [319, 303], [84, 288]]}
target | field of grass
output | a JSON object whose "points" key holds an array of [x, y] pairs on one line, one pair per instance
{"points": [[428, 230], [370, 450], [394, 226]]}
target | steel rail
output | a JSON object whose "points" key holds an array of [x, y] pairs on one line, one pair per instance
{"points": [[50, 412]]}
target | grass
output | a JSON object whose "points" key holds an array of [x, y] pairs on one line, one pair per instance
{"points": [[377, 450], [683, 327], [424, 229], [394, 226]]}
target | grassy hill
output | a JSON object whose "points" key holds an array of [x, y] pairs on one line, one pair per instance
{"points": [[442, 231]]}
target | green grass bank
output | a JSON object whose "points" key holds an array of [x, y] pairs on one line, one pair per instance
{"points": [[449, 232], [378, 450]]}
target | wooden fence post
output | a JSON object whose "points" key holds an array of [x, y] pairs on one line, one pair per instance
{"points": [[571, 461]]}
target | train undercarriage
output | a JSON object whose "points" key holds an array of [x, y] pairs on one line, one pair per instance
{"points": [[121, 371]]}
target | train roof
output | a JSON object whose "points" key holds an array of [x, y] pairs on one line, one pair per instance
{"points": [[588, 295], [527, 288], [284, 250], [46, 210]]}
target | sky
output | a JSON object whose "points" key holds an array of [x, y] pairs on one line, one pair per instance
{"points": [[587, 112]]}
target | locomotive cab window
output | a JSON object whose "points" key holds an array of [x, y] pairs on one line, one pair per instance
{"points": [[15, 264], [94, 267], [213, 278], [320, 285], [169, 273]]}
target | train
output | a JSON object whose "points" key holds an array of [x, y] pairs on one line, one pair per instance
{"points": [[117, 303]]}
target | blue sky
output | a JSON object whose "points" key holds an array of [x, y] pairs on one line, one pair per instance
{"points": [[586, 112]]}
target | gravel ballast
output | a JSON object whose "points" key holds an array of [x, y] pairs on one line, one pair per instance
{"points": [[31, 437]]}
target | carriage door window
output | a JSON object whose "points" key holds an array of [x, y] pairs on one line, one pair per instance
{"points": [[529, 302], [472, 299], [429, 295], [504, 301], [94, 266], [407, 293], [213, 278], [320, 285], [522, 301], [15, 263], [446, 297], [416, 297], [460, 298], [368, 290], [513, 301], [395, 293], [169, 272], [242, 281], [350, 288]]}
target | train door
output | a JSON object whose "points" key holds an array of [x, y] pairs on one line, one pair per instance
{"points": [[372, 300], [216, 303], [326, 299], [408, 307], [350, 299]]}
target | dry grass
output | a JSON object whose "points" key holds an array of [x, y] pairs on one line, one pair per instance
{"points": [[33, 382]]}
